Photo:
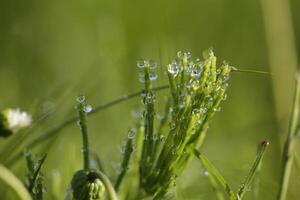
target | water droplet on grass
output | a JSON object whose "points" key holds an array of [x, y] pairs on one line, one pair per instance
{"points": [[140, 64], [80, 99], [203, 110], [88, 108], [174, 68], [131, 134], [153, 76]]}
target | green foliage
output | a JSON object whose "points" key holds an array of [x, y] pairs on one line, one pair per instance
{"points": [[216, 176], [34, 178], [196, 89]]}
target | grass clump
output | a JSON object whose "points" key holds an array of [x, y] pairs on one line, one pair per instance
{"points": [[197, 87], [157, 150]]}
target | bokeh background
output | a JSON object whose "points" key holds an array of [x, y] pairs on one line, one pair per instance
{"points": [[51, 51]]}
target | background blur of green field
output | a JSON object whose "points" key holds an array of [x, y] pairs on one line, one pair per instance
{"points": [[50, 51]]}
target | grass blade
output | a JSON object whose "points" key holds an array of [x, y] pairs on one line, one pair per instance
{"points": [[216, 174], [125, 162], [108, 186], [249, 178], [36, 172], [10, 179], [214, 185], [289, 147]]}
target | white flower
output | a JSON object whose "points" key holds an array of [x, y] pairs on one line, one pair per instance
{"points": [[17, 119]]}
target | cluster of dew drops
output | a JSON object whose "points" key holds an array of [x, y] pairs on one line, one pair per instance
{"points": [[141, 64], [193, 68], [87, 108]]}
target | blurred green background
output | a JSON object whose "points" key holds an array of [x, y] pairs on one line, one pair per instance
{"points": [[51, 51]]}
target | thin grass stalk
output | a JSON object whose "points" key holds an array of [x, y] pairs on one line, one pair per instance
{"points": [[216, 174], [84, 131], [215, 187], [36, 173], [249, 178], [125, 163], [289, 146]]}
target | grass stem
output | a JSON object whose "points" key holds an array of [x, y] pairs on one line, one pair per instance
{"points": [[288, 150]]}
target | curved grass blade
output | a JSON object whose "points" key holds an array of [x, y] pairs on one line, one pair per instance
{"points": [[10, 179], [249, 178], [108, 186], [216, 174]]}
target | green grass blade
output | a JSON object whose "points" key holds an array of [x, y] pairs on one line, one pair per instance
{"points": [[216, 174], [108, 186], [249, 178], [289, 147], [36, 172], [214, 185], [256, 180], [10, 179], [297, 159], [125, 162]]}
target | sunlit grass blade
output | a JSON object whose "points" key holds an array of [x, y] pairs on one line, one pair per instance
{"points": [[216, 174], [249, 178], [10, 179]]}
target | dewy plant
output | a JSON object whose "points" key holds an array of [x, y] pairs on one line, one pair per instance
{"points": [[197, 88], [159, 147]]}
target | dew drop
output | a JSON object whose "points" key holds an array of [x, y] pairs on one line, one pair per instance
{"points": [[146, 63], [140, 64], [217, 109], [153, 66], [187, 54], [142, 74], [197, 70], [142, 80], [131, 134], [203, 110], [162, 138], [195, 84], [88, 108], [80, 99], [174, 68], [153, 76], [206, 173], [179, 54]]}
